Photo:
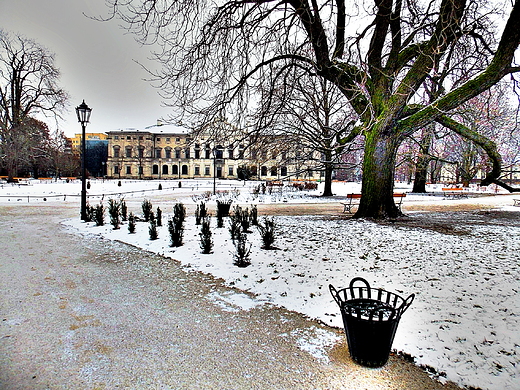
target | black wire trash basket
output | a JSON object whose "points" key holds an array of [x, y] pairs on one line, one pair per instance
{"points": [[370, 316]]}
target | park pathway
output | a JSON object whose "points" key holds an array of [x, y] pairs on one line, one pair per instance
{"points": [[80, 312]]}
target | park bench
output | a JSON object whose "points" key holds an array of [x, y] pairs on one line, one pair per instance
{"points": [[454, 193], [354, 199], [516, 202]]}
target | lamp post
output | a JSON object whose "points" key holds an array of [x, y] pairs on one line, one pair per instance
{"points": [[83, 113]]}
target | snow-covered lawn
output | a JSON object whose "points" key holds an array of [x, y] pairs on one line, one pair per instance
{"points": [[463, 268]]}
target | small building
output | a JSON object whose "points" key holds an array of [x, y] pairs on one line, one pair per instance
{"points": [[94, 137]]}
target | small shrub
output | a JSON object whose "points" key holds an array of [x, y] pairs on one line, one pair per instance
{"points": [[242, 251], [147, 209], [99, 215], [114, 208], [206, 242], [152, 230], [176, 230], [180, 212], [254, 215], [89, 213], [267, 232], [131, 223], [220, 219], [242, 217], [160, 187], [119, 183], [200, 212], [159, 217], [235, 228], [124, 210]]}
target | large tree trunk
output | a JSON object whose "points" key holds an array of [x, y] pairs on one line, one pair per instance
{"points": [[377, 200]]}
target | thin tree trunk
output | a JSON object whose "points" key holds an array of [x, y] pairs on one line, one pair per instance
{"points": [[423, 160], [327, 191], [377, 200]]}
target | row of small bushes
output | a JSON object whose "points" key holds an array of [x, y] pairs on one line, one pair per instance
{"points": [[240, 222]]}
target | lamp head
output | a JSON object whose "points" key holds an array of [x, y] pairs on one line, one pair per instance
{"points": [[83, 113]]}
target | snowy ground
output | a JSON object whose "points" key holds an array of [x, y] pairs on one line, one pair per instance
{"points": [[462, 266]]}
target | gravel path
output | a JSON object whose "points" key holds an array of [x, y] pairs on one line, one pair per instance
{"points": [[85, 313]]}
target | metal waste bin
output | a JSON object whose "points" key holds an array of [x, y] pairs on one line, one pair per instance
{"points": [[370, 316]]}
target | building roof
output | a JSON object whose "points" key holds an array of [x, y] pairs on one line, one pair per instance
{"points": [[155, 129]]}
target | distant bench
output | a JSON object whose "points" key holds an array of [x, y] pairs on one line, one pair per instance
{"points": [[454, 193], [354, 199]]}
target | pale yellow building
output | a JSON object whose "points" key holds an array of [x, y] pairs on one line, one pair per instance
{"points": [[173, 152]]}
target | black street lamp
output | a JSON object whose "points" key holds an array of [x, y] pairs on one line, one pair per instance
{"points": [[83, 113]]}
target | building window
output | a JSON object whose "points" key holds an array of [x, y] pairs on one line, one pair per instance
{"points": [[206, 170], [177, 140], [157, 153], [184, 170], [187, 152], [273, 171], [177, 153], [230, 153], [116, 151], [168, 153], [241, 152], [155, 169], [140, 138], [197, 153], [141, 152], [116, 170], [158, 139], [208, 152], [128, 138], [283, 171], [263, 171], [175, 170], [167, 139], [128, 170], [116, 137], [128, 152], [140, 170], [165, 169], [230, 171], [197, 171], [219, 152]]}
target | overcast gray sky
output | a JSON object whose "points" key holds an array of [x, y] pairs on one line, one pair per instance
{"points": [[95, 59]]}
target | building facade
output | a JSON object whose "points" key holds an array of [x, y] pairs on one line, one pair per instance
{"points": [[172, 152], [93, 137]]}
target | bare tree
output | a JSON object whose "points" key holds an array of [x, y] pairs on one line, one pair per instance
{"points": [[28, 87], [310, 112], [381, 54], [62, 162]]}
